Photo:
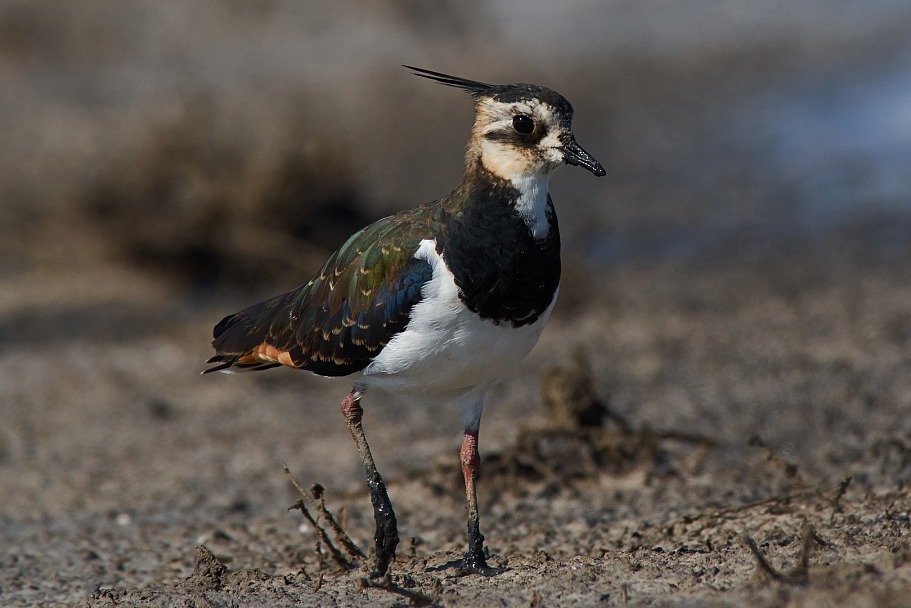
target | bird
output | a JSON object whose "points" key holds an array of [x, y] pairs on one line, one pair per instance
{"points": [[437, 302]]}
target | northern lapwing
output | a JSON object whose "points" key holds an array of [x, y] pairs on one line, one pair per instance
{"points": [[439, 301]]}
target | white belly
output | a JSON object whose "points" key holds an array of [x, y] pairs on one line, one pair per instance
{"points": [[446, 349]]}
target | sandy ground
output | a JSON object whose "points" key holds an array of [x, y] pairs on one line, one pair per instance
{"points": [[737, 401], [717, 413]]}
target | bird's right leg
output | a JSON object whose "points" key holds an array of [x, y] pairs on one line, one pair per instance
{"points": [[475, 561], [386, 536]]}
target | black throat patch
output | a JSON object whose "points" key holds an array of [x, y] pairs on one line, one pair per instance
{"points": [[503, 273]]}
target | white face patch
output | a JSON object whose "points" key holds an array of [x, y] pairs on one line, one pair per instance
{"points": [[499, 115], [506, 159]]}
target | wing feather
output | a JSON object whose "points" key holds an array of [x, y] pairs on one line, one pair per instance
{"points": [[342, 318]]}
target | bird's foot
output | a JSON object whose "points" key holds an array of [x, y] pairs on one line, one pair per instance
{"points": [[475, 560], [385, 551], [476, 563], [386, 536]]}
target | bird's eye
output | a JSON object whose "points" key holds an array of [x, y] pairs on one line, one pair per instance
{"points": [[523, 124]]}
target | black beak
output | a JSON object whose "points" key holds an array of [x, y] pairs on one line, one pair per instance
{"points": [[573, 154]]}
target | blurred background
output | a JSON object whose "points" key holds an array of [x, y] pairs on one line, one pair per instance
{"points": [[163, 164], [232, 145], [743, 269]]}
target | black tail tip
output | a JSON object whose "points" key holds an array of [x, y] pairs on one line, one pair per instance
{"points": [[223, 363]]}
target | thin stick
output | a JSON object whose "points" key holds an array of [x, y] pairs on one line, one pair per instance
{"points": [[764, 565], [353, 551], [800, 574], [336, 554], [417, 598]]}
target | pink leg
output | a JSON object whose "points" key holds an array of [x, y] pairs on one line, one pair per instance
{"points": [[386, 535], [474, 560]]}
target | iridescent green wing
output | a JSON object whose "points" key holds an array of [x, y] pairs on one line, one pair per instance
{"points": [[343, 317]]}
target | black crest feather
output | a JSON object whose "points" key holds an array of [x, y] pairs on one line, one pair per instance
{"points": [[477, 89]]}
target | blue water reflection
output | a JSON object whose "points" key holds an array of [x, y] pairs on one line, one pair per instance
{"points": [[820, 157]]}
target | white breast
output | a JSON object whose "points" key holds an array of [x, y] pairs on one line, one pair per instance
{"points": [[446, 349]]}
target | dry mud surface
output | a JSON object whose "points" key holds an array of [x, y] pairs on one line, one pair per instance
{"points": [[693, 435]]}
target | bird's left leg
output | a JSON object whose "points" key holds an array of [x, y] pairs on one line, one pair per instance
{"points": [[386, 536], [474, 562]]}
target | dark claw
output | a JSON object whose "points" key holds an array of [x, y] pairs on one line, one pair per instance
{"points": [[386, 536], [477, 564], [475, 561]]}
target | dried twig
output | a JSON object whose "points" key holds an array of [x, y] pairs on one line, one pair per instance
{"points": [[691, 438], [324, 538], [801, 571], [760, 558], [839, 492], [353, 551], [417, 598], [800, 574], [716, 518], [789, 469]]}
